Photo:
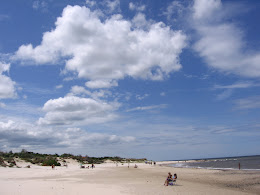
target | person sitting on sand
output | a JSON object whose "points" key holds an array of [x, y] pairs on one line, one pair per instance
{"points": [[174, 177], [168, 179]]}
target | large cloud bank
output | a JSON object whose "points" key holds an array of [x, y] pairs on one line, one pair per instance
{"points": [[23, 135], [104, 50]]}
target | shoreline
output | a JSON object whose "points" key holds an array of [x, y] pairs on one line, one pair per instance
{"points": [[219, 164], [111, 179], [211, 168]]}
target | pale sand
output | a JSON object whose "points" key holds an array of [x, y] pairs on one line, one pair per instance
{"points": [[108, 178]]}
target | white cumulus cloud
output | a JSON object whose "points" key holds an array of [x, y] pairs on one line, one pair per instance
{"points": [[83, 92], [101, 84], [113, 5], [90, 3], [136, 7], [71, 110], [7, 86], [104, 51], [221, 42]]}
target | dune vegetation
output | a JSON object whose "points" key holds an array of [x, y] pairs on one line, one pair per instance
{"points": [[9, 158]]}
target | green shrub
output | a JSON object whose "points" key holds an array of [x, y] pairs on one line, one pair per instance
{"points": [[11, 165], [2, 162], [50, 162]]}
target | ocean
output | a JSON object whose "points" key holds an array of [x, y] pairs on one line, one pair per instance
{"points": [[233, 163]]}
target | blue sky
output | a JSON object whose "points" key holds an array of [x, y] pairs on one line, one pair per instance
{"points": [[161, 80]]}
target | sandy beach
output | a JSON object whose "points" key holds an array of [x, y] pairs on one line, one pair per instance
{"points": [[109, 178]]}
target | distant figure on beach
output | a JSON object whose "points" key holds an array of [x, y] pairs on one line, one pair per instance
{"points": [[168, 179], [154, 163], [53, 166], [135, 166], [92, 166]]}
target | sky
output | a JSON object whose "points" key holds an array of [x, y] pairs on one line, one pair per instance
{"points": [[164, 80]]}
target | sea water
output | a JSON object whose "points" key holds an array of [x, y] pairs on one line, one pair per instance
{"points": [[244, 163]]}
